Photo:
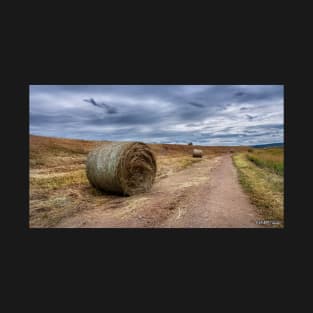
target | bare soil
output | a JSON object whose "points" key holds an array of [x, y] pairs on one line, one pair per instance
{"points": [[206, 194]]}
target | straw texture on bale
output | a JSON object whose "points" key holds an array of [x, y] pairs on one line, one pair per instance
{"points": [[196, 153], [125, 168]]}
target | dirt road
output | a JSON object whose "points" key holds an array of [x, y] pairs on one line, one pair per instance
{"points": [[205, 195]]}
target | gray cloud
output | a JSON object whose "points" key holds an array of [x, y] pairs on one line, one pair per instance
{"points": [[250, 117], [109, 109], [239, 94], [209, 115], [195, 104]]}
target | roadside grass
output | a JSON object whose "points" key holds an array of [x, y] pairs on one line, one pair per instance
{"points": [[264, 186], [271, 159]]}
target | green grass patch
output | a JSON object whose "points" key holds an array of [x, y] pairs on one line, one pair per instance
{"points": [[271, 159], [277, 167]]}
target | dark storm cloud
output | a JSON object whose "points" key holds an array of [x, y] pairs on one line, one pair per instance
{"points": [[207, 114], [129, 119], [274, 92], [195, 104], [250, 117], [45, 119], [109, 109], [267, 126], [225, 106], [239, 94]]}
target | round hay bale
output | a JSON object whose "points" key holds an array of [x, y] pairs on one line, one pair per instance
{"points": [[125, 168], [196, 153]]}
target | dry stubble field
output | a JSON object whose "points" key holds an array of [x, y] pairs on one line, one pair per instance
{"points": [[58, 185]]}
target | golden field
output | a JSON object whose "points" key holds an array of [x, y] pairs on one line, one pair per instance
{"points": [[58, 186]]}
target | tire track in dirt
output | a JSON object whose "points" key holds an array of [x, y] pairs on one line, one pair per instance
{"points": [[219, 202]]}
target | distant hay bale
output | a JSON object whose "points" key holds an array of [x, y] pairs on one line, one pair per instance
{"points": [[196, 153], [125, 168]]}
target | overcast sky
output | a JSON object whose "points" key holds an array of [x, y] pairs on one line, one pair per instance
{"points": [[202, 114]]}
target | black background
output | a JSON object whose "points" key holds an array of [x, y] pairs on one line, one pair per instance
{"points": [[227, 267]]}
